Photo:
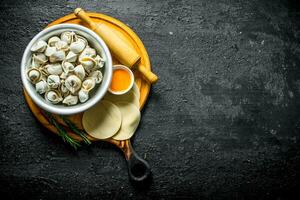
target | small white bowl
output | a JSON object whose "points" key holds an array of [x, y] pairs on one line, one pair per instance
{"points": [[96, 42], [123, 67]]}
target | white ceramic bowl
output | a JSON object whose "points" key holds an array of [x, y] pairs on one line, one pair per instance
{"points": [[94, 41]]}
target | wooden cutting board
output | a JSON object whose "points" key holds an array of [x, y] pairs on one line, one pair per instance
{"points": [[138, 168]]}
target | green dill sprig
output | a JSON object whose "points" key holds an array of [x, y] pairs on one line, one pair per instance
{"points": [[76, 130], [62, 132]]}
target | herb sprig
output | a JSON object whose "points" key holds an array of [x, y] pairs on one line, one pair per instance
{"points": [[76, 130], [63, 133]]}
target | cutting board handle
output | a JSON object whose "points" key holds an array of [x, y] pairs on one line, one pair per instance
{"points": [[138, 168]]}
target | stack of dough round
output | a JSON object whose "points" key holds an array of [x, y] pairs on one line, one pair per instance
{"points": [[116, 116], [130, 120]]}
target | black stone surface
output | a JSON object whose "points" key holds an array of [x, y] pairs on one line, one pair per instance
{"points": [[222, 122]]}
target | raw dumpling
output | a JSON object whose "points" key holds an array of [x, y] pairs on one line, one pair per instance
{"points": [[70, 100], [53, 96], [83, 95], [53, 81], [39, 46], [34, 75], [97, 75], [52, 41], [50, 51], [41, 87], [73, 83], [71, 57], [55, 69]]}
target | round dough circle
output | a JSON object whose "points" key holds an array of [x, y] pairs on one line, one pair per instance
{"points": [[130, 120], [129, 97], [103, 120], [136, 90]]}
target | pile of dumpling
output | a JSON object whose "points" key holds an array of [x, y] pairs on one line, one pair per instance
{"points": [[65, 69]]}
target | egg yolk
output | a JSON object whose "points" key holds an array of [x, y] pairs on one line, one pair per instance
{"points": [[120, 80]]}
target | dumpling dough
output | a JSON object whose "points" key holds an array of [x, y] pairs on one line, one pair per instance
{"points": [[130, 120], [129, 97], [103, 120], [136, 90]]}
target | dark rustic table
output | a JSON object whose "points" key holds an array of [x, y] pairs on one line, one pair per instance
{"points": [[223, 121]]}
